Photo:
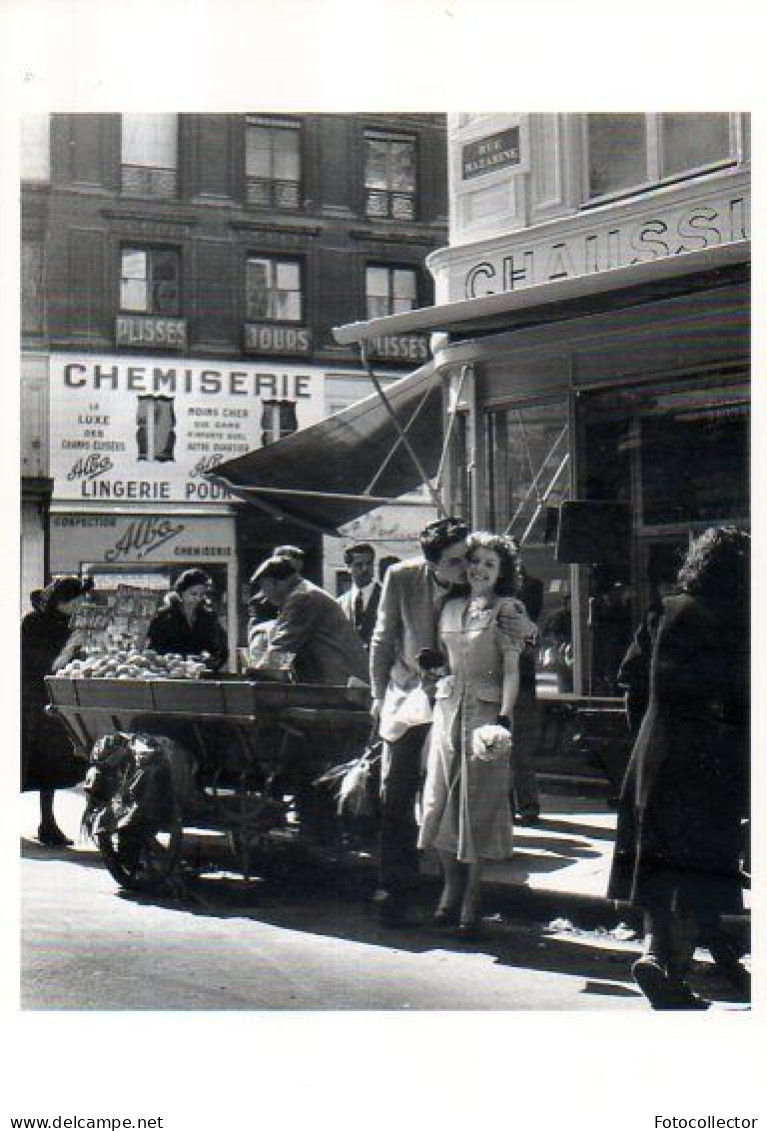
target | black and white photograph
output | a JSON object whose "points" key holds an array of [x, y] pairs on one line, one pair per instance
{"points": [[384, 583]]}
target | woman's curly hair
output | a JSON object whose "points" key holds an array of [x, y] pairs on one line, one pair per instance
{"points": [[510, 577], [716, 565]]}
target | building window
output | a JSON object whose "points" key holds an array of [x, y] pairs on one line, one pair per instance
{"points": [[278, 420], [32, 291], [631, 151], [150, 281], [155, 429], [390, 180], [149, 154], [691, 141], [273, 163], [272, 290], [390, 290]]}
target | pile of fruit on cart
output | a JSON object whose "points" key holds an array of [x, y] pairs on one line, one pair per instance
{"points": [[146, 664]]}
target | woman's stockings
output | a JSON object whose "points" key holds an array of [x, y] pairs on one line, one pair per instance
{"points": [[470, 905], [453, 874]]}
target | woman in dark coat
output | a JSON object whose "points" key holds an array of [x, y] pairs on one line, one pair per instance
{"points": [[186, 624], [47, 644], [685, 795]]}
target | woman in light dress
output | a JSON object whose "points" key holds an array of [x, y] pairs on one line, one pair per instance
{"points": [[466, 815]]}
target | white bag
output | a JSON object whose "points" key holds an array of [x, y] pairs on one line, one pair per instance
{"points": [[402, 710]]}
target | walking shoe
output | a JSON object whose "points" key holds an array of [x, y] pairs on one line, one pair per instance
{"points": [[52, 837], [446, 917], [660, 990]]}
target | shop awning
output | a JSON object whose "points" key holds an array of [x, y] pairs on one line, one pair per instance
{"points": [[331, 472], [563, 298]]}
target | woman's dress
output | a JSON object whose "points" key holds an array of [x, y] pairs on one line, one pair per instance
{"points": [[466, 801], [47, 756]]}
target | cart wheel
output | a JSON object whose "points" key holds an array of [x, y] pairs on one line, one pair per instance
{"points": [[143, 860]]}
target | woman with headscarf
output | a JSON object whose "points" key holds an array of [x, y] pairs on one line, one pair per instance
{"points": [[47, 645], [685, 795], [186, 624]]}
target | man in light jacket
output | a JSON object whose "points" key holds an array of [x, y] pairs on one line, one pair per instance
{"points": [[412, 598]]}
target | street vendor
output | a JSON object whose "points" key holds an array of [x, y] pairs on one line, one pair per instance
{"points": [[310, 627], [187, 624]]}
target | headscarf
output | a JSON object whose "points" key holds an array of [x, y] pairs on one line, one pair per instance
{"points": [[61, 590]]}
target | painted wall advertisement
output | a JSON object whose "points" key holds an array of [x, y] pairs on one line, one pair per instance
{"points": [[115, 539], [141, 429]]}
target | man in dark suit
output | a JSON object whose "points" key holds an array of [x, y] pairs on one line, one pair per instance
{"points": [[360, 602]]}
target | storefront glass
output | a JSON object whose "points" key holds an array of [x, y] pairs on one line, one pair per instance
{"points": [[528, 475], [676, 454]]}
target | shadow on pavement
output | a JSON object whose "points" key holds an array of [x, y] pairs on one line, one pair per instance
{"points": [[86, 856], [575, 828]]}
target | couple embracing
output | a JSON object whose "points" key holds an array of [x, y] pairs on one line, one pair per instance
{"points": [[452, 614]]}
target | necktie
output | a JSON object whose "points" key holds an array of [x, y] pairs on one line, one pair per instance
{"points": [[359, 610]]}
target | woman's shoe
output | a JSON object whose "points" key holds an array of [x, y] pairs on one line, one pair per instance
{"points": [[470, 929], [52, 837], [445, 917]]}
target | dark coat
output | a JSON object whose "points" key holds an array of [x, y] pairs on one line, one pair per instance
{"points": [[312, 626], [686, 787], [47, 758], [365, 629], [170, 631]]}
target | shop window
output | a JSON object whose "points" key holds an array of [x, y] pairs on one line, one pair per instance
{"points": [[149, 154], [150, 281], [272, 290], [390, 290], [32, 291], [528, 477], [278, 420], [703, 451], [390, 176], [273, 163], [631, 151], [528, 473]]}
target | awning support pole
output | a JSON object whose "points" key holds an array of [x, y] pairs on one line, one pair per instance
{"points": [[402, 434], [395, 448], [544, 499], [534, 485], [452, 416]]}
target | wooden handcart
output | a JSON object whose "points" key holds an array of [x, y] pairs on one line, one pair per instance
{"points": [[243, 738]]}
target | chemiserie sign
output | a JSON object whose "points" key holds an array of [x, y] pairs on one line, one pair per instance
{"points": [[147, 429]]}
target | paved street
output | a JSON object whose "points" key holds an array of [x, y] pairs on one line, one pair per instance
{"points": [[307, 943], [295, 946]]}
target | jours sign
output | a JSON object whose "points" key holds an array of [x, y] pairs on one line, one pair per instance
{"points": [[145, 429], [594, 246]]}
